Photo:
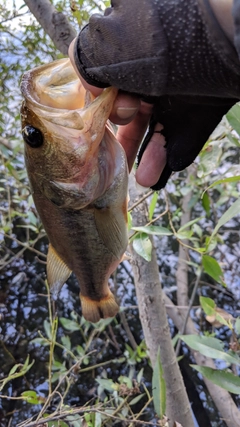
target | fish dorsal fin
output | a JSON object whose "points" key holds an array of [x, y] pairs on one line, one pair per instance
{"points": [[57, 271], [112, 229]]}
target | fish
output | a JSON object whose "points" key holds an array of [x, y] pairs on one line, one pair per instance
{"points": [[78, 176]]}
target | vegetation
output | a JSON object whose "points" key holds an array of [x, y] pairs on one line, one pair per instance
{"points": [[58, 369]]}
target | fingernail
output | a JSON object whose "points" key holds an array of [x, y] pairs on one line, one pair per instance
{"points": [[140, 188], [126, 113]]}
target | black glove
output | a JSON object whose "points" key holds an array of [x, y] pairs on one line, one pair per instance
{"points": [[158, 47], [171, 50], [187, 126]]}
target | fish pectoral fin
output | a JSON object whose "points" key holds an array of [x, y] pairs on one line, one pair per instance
{"points": [[93, 311], [57, 271], [112, 229]]}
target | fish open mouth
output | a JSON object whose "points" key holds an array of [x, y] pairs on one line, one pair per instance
{"points": [[59, 87], [76, 136], [55, 93]]}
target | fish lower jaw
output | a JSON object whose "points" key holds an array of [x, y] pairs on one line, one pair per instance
{"points": [[93, 310]]}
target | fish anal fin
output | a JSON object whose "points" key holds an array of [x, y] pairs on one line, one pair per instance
{"points": [[57, 271], [112, 229], [93, 310]]}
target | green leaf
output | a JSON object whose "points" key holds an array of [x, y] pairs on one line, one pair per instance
{"points": [[103, 323], [58, 423], [143, 246], [159, 388], [106, 384], [209, 347], [233, 117], [208, 305], [210, 157], [40, 341], [32, 218], [222, 378], [212, 268], [229, 214], [188, 224], [125, 380], [211, 243], [136, 399], [140, 375], [233, 140], [66, 342], [222, 181], [31, 397], [154, 229], [183, 235], [129, 221], [175, 340], [14, 369], [47, 328], [152, 205], [70, 325], [98, 420], [17, 371], [210, 309], [237, 326], [206, 203], [197, 230]]}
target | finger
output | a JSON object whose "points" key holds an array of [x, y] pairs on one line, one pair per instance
{"points": [[94, 90], [153, 160], [125, 108], [131, 135]]}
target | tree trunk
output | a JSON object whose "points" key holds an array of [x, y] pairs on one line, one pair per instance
{"points": [[54, 23], [155, 325]]}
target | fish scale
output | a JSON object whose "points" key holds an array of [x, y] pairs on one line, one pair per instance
{"points": [[79, 180]]}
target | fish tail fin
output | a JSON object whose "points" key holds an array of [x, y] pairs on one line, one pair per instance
{"points": [[93, 310]]}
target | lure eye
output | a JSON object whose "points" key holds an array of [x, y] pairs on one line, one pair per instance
{"points": [[32, 136]]}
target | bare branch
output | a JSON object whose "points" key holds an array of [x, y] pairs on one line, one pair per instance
{"points": [[54, 23], [183, 256], [155, 326]]}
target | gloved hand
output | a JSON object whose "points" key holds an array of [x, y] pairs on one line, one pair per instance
{"points": [[165, 47], [187, 124]]}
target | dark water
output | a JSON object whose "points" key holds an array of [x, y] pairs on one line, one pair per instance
{"points": [[24, 308]]}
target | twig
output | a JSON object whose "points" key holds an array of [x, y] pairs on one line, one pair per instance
{"points": [[147, 224], [79, 411], [25, 247], [128, 330], [140, 200], [182, 330], [141, 411]]}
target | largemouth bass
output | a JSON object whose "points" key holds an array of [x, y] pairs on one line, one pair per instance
{"points": [[78, 176]]}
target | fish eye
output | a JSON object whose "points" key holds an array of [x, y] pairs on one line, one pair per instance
{"points": [[32, 136]]}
